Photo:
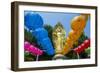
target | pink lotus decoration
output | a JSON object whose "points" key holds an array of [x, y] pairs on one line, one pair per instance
{"points": [[32, 49]]}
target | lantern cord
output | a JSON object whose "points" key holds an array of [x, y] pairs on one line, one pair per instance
{"points": [[78, 56], [37, 57]]}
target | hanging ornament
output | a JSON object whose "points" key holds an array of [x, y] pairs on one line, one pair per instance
{"points": [[66, 48], [83, 46], [78, 24], [74, 35], [34, 22], [32, 49]]}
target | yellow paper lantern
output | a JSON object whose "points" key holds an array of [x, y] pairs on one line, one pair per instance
{"points": [[78, 23], [68, 45], [73, 35], [69, 41], [66, 49]]}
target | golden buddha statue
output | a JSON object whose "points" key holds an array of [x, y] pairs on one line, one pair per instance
{"points": [[59, 36]]}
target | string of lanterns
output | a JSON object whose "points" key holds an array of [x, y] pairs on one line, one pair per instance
{"points": [[83, 46], [78, 24], [32, 49], [34, 22]]}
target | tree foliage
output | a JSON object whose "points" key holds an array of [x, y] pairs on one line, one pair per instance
{"points": [[49, 29]]}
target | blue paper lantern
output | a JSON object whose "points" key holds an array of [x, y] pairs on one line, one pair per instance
{"points": [[40, 33], [34, 22]]}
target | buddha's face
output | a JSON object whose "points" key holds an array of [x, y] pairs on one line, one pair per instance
{"points": [[58, 29], [78, 23]]}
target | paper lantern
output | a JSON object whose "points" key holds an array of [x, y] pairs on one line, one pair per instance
{"points": [[26, 45], [69, 41], [34, 22], [83, 46], [78, 23], [32, 49], [35, 51], [87, 42], [73, 35], [80, 49], [47, 46], [66, 49]]}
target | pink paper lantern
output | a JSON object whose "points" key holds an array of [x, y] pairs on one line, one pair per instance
{"points": [[26, 45], [32, 49]]}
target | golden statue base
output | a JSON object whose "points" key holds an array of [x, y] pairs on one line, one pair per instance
{"points": [[59, 57]]}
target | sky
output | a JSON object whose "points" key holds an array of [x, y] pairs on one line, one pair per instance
{"points": [[53, 18]]}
